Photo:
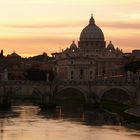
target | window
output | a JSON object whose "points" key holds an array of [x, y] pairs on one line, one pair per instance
{"points": [[112, 73], [81, 73], [91, 62], [91, 74], [103, 72], [72, 62], [103, 69], [97, 73], [71, 75], [96, 43]]}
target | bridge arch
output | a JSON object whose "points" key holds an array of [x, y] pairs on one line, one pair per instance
{"points": [[74, 93], [119, 94]]}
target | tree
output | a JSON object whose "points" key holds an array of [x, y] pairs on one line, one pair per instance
{"points": [[35, 74], [39, 75], [132, 66]]}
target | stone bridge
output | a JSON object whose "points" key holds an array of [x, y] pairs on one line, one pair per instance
{"points": [[89, 90]]}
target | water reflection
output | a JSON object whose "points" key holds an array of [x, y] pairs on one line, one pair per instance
{"points": [[5, 119], [97, 117], [64, 114], [1, 130], [30, 123]]}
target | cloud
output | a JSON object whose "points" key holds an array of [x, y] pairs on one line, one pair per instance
{"points": [[124, 25], [39, 45], [71, 24], [30, 45], [126, 43], [51, 36], [53, 24]]}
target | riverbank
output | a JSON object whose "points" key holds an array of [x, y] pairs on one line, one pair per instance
{"points": [[130, 115]]}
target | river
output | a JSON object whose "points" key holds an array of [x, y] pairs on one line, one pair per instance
{"points": [[30, 123]]}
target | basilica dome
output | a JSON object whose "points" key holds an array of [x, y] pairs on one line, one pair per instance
{"points": [[91, 32]]}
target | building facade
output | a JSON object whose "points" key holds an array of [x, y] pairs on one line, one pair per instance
{"points": [[91, 59]]}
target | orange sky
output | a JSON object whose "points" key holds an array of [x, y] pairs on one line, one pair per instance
{"points": [[31, 27]]}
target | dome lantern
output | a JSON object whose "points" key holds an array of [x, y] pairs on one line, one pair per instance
{"points": [[91, 21]]}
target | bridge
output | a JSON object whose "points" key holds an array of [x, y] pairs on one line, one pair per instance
{"points": [[91, 91]]}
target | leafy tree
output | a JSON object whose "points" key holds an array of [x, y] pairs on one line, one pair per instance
{"points": [[39, 75], [133, 66], [35, 75]]}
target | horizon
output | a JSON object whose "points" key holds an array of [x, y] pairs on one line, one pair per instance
{"points": [[36, 26]]}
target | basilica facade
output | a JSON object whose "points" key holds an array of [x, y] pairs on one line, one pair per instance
{"points": [[90, 59]]}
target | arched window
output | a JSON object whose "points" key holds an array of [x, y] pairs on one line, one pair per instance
{"points": [[72, 75], [81, 73]]}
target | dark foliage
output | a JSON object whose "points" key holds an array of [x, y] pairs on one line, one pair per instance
{"points": [[133, 66], [35, 75], [39, 75]]}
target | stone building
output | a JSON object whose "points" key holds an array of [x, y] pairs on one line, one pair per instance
{"points": [[90, 59], [13, 64]]}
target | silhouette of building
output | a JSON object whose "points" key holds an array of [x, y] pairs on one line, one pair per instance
{"points": [[87, 60], [91, 59], [1, 54]]}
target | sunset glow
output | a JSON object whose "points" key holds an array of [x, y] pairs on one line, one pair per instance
{"points": [[31, 27]]}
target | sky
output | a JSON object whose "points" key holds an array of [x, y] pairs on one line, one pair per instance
{"points": [[31, 27]]}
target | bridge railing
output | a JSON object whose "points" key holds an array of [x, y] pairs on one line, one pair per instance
{"points": [[96, 82]]}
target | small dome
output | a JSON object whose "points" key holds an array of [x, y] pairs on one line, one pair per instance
{"points": [[110, 46], [91, 32], [73, 46]]}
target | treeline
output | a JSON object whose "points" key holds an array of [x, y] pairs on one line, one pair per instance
{"points": [[133, 66], [35, 74]]}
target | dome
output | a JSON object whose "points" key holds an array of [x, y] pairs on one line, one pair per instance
{"points": [[73, 46], [110, 46], [91, 32]]}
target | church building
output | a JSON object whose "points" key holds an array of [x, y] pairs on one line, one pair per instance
{"points": [[90, 59]]}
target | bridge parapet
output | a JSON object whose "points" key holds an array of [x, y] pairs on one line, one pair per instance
{"points": [[97, 83], [88, 88], [88, 83]]}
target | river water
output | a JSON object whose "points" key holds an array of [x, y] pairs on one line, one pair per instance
{"points": [[30, 123]]}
